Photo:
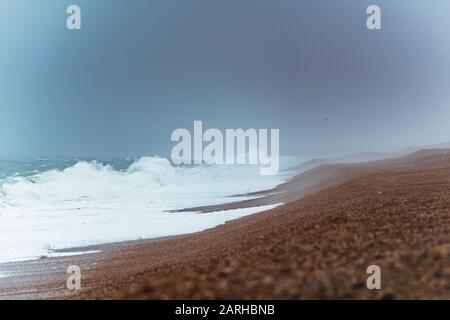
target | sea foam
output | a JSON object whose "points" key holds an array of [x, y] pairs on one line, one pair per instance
{"points": [[92, 203]]}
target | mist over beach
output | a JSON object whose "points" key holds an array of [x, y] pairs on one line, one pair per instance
{"points": [[239, 150]]}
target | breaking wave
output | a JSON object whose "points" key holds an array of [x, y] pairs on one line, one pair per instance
{"points": [[90, 202]]}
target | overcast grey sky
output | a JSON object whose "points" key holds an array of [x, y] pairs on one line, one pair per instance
{"points": [[139, 69]]}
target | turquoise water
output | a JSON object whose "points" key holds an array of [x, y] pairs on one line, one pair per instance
{"points": [[59, 203], [25, 167]]}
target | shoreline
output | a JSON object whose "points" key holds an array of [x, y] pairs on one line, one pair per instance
{"points": [[329, 220], [27, 278], [96, 248]]}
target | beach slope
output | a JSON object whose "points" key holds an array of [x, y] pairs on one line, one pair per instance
{"points": [[337, 220]]}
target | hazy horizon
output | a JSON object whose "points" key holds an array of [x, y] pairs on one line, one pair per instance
{"points": [[139, 70]]}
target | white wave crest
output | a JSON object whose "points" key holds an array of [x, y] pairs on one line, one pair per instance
{"points": [[90, 181], [92, 203]]}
